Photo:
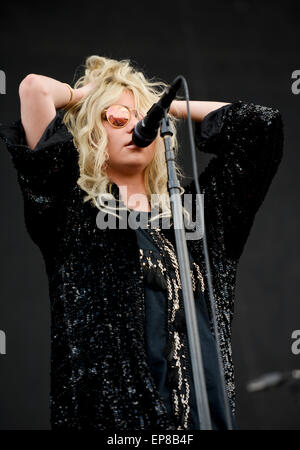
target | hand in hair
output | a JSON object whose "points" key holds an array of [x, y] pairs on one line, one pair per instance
{"points": [[82, 92]]}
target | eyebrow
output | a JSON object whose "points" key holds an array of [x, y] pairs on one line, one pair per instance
{"points": [[128, 107], [120, 104]]}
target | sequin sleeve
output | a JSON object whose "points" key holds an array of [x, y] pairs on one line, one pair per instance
{"points": [[247, 141], [45, 175]]}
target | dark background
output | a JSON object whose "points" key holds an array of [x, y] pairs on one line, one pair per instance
{"points": [[230, 50]]}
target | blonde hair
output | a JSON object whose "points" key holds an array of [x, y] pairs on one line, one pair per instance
{"points": [[84, 121]]}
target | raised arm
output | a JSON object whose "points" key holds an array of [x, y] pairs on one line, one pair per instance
{"points": [[198, 109], [40, 97], [43, 154], [247, 141]]}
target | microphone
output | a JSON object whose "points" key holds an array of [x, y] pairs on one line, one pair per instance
{"points": [[146, 129]]}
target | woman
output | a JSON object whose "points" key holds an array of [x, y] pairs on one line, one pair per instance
{"points": [[119, 349]]}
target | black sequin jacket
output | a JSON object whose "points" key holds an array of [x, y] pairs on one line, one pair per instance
{"points": [[100, 378]]}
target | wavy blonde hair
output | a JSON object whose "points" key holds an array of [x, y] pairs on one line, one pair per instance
{"points": [[84, 121]]}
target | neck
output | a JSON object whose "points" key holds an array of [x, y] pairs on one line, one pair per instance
{"points": [[132, 190]]}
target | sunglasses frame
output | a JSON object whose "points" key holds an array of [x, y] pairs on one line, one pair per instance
{"points": [[123, 106]]}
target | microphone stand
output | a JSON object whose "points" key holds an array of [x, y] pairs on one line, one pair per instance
{"points": [[187, 290]]}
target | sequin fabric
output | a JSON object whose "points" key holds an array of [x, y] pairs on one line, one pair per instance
{"points": [[100, 378], [163, 273]]}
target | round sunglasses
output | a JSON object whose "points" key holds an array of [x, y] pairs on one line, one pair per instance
{"points": [[119, 115]]}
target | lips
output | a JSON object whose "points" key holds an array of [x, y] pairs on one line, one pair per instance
{"points": [[131, 145]]}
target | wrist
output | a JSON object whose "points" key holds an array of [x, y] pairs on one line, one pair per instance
{"points": [[176, 108], [74, 96], [71, 96], [77, 95]]}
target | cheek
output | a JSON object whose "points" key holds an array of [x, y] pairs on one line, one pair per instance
{"points": [[113, 144], [152, 150]]}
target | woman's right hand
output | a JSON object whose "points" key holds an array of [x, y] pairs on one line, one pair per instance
{"points": [[40, 97], [82, 92]]}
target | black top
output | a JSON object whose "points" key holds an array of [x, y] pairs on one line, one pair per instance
{"points": [[100, 375], [156, 336]]}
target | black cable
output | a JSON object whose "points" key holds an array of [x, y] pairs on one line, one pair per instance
{"points": [[210, 288]]}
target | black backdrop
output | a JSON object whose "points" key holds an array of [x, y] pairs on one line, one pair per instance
{"points": [[228, 50]]}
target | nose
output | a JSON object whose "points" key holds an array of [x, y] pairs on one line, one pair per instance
{"points": [[132, 122]]}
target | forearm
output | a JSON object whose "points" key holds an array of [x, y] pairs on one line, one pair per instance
{"points": [[56, 90], [198, 109]]}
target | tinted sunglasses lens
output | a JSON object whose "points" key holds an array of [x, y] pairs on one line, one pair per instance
{"points": [[117, 115]]}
